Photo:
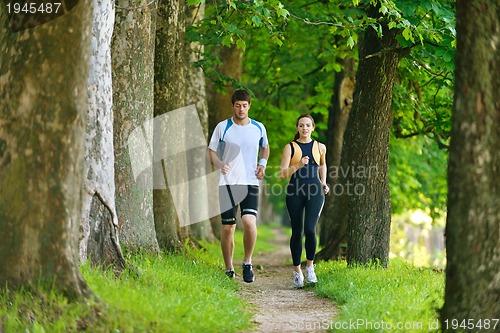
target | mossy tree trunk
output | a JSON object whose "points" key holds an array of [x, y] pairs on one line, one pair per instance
{"points": [[132, 53], [473, 221], [365, 155], [171, 61], [197, 95], [99, 224], [43, 112], [219, 103]]}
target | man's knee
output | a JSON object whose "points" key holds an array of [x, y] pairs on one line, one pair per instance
{"points": [[228, 229], [249, 219]]}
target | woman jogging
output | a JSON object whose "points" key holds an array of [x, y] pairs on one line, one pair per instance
{"points": [[304, 162]]}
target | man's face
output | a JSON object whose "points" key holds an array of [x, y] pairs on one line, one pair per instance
{"points": [[240, 109]]}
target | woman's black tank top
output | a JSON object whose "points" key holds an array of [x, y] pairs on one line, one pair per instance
{"points": [[309, 172]]}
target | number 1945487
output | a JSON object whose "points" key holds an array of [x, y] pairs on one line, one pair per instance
{"points": [[471, 324], [34, 8]]}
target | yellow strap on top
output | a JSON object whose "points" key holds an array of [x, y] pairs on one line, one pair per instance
{"points": [[296, 155], [316, 152]]}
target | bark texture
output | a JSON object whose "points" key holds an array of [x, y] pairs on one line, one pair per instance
{"points": [[365, 156], [43, 103], [99, 167], [170, 94], [132, 56], [197, 95], [473, 220], [219, 103]]}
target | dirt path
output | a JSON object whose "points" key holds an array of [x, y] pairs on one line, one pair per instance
{"points": [[278, 306]]}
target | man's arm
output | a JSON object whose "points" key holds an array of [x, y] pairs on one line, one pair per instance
{"points": [[216, 162], [264, 155], [213, 158], [264, 152]]}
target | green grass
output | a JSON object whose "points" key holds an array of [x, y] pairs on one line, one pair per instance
{"points": [[373, 299], [171, 293], [190, 293], [167, 294]]}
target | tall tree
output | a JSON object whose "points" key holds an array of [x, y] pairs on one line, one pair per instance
{"points": [[43, 103], [171, 63], [99, 224], [472, 293], [132, 53], [365, 156], [197, 95]]}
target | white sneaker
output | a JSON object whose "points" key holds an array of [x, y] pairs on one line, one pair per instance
{"points": [[310, 275], [298, 279]]}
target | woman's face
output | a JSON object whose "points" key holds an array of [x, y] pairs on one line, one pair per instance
{"points": [[305, 127]]}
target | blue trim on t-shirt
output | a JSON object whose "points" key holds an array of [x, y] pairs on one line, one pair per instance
{"points": [[222, 143], [261, 141]]}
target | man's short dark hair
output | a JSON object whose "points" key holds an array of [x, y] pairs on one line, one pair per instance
{"points": [[241, 95]]}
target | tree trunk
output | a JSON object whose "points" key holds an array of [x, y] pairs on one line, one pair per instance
{"points": [[43, 103], [99, 187], [197, 95], [365, 155], [472, 292], [170, 94], [333, 230], [219, 104], [132, 53]]}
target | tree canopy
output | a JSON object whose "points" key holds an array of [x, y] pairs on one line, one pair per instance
{"points": [[293, 50]]}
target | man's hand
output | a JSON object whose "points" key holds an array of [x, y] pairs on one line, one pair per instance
{"points": [[259, 172], [225, 168]]}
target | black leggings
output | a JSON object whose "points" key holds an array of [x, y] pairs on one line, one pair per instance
{"points": [[304, 204]]}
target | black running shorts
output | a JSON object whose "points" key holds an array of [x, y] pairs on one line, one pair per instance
{"points": [[230, 196]]}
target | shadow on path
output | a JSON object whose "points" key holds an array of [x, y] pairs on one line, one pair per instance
{"points": [[279, 307]]}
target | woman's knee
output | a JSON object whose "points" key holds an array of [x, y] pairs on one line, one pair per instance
{"points": [[310, 232]]}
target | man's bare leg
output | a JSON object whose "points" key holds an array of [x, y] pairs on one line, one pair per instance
{"points": [[227, 244], [249, 236]]}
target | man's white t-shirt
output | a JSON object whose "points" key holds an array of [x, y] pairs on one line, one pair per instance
{"points": [[239, 145]]}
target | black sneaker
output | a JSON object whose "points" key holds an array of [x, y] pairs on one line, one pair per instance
{"points": [[248, 273], [230, 273]]}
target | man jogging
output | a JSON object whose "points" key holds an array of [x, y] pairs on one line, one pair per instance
{"points": [[234, 148]]}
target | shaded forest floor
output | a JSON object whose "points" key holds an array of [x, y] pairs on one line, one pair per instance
{"points": [[279, 307]]}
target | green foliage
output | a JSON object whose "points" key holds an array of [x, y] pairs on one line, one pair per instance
{"points": [[370, 297], [229, 23], [293, 51], [417, 176]]}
